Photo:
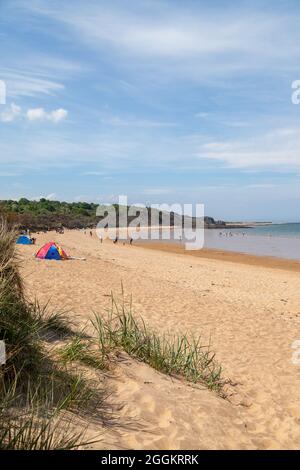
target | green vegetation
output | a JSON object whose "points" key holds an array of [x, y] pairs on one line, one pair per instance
{"points": [[44, 207], [83, 350], [27, 423], [176, 355], [37, 390], [48, 215]]}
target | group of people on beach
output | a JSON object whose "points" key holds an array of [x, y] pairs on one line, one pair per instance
{"points": [[115, 241], [230, 234]]}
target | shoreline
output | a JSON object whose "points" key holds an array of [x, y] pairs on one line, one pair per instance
{"points": [[263, 261], [228, 256]]}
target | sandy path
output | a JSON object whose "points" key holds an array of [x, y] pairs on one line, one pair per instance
{"points": [[252, 314]]}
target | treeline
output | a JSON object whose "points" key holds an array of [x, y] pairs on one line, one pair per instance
{"points": [[47, 215], [50, 215], [46, 207]]}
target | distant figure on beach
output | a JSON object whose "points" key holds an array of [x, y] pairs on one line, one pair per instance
{"points": [[91, 233], [131, 241], [101, 239]]}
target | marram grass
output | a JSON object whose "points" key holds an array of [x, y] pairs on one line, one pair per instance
{"points": [[36, 392], [175, 355]]}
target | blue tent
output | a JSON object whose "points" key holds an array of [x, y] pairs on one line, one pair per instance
{"points": [[24, 240]]}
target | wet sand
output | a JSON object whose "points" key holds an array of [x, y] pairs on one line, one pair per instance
{"points": [[250, 309], [222, 255]]}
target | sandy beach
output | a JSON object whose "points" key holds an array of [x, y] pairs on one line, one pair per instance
{"points": [[248, 306]]}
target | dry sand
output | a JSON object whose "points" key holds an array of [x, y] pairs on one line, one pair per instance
{"points": [[251, 310]]}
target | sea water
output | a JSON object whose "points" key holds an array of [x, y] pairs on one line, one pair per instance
{"points": [[278, 240]]}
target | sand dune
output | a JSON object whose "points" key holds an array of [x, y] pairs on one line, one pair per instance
{"points": [[251, 313]]}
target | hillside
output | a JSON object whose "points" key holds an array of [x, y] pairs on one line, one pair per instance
{"points": [[47, 215]]}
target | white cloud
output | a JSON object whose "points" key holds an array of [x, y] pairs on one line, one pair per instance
{"points": [[14, 112], [281, 147], [28, 84], [39, 114], [58, 115], [133, 122], [206, 41], [10, 114], [217, 119], [36, 114], [277, 150], [51, 197]]}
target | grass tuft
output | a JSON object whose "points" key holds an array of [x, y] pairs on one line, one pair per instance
{"points": [[80, 350], [35, 426], [176, 355], [56, 325]]}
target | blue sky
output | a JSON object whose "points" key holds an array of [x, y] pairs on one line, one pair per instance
{"points": [[165, 101]]}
